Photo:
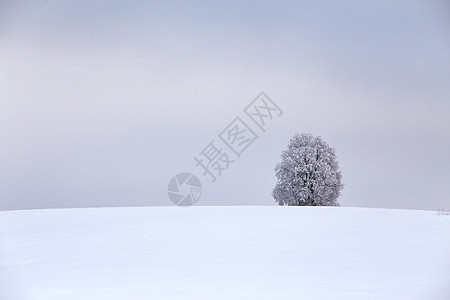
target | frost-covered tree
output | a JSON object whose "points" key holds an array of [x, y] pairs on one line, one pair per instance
{"points": [[308, 174]]}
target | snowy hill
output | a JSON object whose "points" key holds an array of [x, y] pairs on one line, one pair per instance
{"points": [[224, 253]]}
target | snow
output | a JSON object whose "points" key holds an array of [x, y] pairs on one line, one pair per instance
{"points": [[224, 253]]}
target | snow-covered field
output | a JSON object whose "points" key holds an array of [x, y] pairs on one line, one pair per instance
{"points": [[224, 253]]}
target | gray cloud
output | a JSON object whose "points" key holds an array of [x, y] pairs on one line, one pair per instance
{"points": [[102, 106]]}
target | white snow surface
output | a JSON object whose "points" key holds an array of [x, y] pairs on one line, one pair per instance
{"points": [[242, 252]]}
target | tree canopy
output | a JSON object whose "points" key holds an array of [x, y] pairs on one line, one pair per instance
{"points": [[308, 174]]}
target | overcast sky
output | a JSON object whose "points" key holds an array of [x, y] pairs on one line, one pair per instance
{"points": [[103, 102]]}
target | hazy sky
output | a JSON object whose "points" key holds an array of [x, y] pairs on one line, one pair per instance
{"points": [[102, 102]]}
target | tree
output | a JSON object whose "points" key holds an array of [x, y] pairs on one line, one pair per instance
{"points": [[308, 174]]}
